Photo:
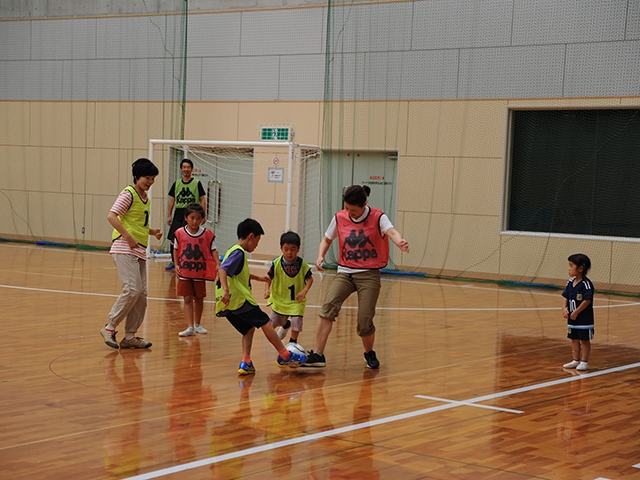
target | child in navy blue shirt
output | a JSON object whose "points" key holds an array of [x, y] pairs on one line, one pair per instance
{"points": [[577, 308]]}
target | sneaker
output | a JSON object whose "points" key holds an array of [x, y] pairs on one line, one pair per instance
{"points": [[572, 364], [315, 360], [135, 342], [282, 331], [109, 337], [371, 360], [246, 368], [582, 366], [189, 332], [200, 329], [294, 360], [171, 266]]}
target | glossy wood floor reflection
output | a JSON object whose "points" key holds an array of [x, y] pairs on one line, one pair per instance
{"points": [[471, 386]]}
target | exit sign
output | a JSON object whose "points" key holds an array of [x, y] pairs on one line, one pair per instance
{"points": [[281, 134]]}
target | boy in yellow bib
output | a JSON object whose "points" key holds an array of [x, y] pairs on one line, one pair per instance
{"points": [[235, 301], [290, 282]]}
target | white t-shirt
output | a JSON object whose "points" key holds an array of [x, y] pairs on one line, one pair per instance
{"points": [[332, 233]]}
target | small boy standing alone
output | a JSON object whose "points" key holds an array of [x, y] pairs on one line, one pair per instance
{"points": [[290, 282], [196, 261], [577, 308], [235, 301]]}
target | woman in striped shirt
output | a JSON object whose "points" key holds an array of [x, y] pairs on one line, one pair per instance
{"points": [[129, 217]]}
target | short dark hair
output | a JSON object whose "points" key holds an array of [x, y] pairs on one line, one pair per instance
{"points": [[187, 161], [292, 238], [194, 207], [143, 167], [249, 226], [356, 195], [581, 260]]}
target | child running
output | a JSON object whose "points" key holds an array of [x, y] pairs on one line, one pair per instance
{"points": [[290, 282], [196, 261], [129, 217], [235, 301], [577, 308]]}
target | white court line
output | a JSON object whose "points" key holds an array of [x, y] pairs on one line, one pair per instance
{"points": [[381, 421], [414, 309], [467, 404], [637, 465]]}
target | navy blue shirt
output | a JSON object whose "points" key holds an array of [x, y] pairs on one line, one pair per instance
{"points": [[575, 296]]}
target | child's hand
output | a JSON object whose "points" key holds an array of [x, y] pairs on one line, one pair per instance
{"points": [[267, 293], [300, 296], [158, 234], [403, 245], [319, 263], [573, 316], [565, 312], [225, 299]]}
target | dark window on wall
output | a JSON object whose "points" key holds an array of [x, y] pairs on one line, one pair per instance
{"points": [[575, 172]]}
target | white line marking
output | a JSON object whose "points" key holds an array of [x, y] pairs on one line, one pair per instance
{"points": [[372, 423], [637, 465], [467, 404], [346, 307]]}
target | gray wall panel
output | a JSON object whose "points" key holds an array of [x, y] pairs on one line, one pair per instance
{"points": [[302, 77], [194, 79], [633, 20], [132, 37], [347, 74], [461, 24], [568, 21], [96, 80], [275, 32], [15, 40], [240, 78], [154, 79], [365, 28], [36, 80], [411, 75], [603, 69], [511, 72], [214, 35], [64, 39]]}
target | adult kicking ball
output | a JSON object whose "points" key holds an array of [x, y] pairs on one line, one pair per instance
{"points": [[295, 348]]}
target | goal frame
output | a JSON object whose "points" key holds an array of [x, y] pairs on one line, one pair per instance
{"points": [[290, 145]]}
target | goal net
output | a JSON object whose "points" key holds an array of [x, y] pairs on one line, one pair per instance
{"points": [[278, 183]]}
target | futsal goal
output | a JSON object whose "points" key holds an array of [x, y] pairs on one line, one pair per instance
{"points": [[279, 183]]}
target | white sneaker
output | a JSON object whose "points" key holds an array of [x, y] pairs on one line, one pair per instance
{"points": [[572, 364], [583, 366], [200, 329], [189, 332], [282, 331]]}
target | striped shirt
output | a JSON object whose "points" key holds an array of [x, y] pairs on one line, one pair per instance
{"points": [[120, 245]]}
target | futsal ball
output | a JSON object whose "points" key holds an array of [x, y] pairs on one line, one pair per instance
{"points": [[295, 348]]}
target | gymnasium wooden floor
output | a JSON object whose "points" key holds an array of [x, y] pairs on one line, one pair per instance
{"points": [[471, 386]]}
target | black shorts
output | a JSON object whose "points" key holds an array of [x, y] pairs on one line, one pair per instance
{"points": [[580, 333], [176, 223], [245, 321]]}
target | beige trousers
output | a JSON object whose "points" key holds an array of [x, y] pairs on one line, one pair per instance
{"points": [[132, 302]]}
